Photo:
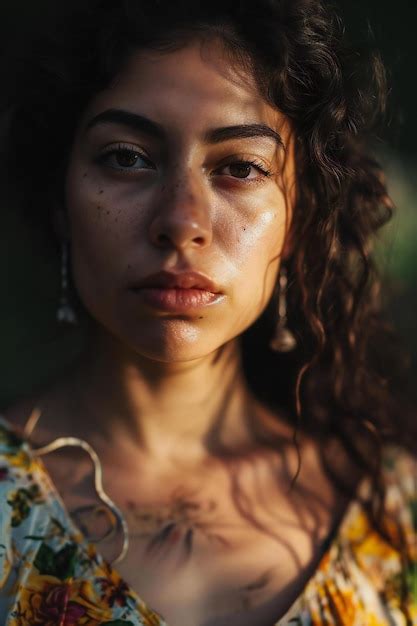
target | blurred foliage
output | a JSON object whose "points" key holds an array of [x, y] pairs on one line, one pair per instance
{"points": [[397, 249], [390, 27], [396, 253]]}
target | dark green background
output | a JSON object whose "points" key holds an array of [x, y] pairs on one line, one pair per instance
{"points": [[33, 347]]}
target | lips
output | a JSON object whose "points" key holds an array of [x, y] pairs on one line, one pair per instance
{"points": [[176, 280], [178, 292], [178, 300]]}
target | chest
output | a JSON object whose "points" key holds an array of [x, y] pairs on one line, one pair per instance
{"points": [[207, 552]]}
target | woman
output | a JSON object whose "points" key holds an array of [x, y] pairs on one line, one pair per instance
{"points": [[205, 172]]}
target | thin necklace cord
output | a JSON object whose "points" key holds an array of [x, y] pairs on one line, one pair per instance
{"points": [[61, 442]]}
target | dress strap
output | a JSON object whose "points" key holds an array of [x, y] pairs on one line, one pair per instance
{"points": [[62, 442], [31, 422]]}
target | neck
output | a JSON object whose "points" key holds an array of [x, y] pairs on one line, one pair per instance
{"points": [[121, 400]]}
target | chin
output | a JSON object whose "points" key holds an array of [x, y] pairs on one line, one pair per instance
{"points": [[173, 341]]}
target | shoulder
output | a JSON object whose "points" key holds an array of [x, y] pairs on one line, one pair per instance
{"points": [[27, 509], [399, 474], [16, 415], [373, 567], [18, 493], [17, 475], [43, 555], [383, 539], [399, 484], [398, 464]]}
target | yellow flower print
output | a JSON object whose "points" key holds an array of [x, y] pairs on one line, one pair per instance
{"points": [[21, 502], [149, 617], [44, 602], [20, 459], [85, 595], [47, 601]]}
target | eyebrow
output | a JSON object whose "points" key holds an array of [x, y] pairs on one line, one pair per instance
{"points": [[156, 131], [243, 131], [131, 120]]}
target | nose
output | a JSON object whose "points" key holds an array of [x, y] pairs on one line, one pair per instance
{"points": [[182, 217]]}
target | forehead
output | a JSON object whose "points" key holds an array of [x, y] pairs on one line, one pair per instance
{"points": [[197, 85]]}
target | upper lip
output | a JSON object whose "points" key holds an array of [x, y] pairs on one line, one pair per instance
{"points": [[183, 280]]}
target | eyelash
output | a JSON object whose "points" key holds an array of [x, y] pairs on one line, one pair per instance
{"points": [[124, 149], [129, 150], [257, 164]]}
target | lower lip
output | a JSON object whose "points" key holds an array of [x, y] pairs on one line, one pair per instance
{"points": [[178, 300]]}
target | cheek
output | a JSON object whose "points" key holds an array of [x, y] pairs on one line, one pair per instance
{"points": [[258, 238], [98, 221], [259, 243], [96, 233]]}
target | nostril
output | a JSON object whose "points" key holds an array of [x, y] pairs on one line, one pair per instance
{"points": [[163, 239]]}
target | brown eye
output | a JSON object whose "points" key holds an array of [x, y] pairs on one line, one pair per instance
{"points": [[126, 158], [240, 170], [245, 170]]}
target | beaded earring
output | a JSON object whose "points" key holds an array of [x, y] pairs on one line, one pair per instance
{"points": [[283, 339], [65, 313]]}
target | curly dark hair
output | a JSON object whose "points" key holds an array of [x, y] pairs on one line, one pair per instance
{"points": [[346, 378]]}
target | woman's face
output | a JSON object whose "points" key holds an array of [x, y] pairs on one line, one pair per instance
{"points": [[180, 165]]}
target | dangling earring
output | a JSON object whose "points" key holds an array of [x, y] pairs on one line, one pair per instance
{"points": [[283, 339], [65, 313]]}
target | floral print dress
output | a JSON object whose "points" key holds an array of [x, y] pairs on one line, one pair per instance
{"points": [[50, 575]]}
